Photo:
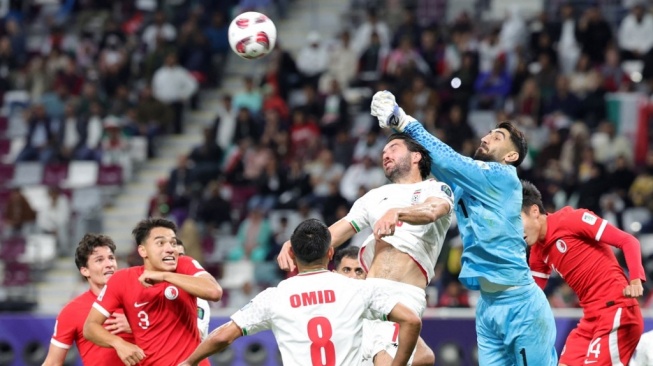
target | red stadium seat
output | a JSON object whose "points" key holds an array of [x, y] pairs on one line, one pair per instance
{"points": [[55, 174], [12, 248], [109, 175], [17, 274], [5, 146], [6, 173], [4, 125]]}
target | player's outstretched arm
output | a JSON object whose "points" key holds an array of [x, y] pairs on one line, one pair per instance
{"points": [[409, 327], [340, 231], [94, 331], [218, 340], [422, 214], [56, 356], [202, 285]]}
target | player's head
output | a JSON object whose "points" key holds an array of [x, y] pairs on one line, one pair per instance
{"points": [[401, 155], [311, 243], [505, 144], [346, 263], [533, 213], [95, 258], [181, 249], [157, 243]]}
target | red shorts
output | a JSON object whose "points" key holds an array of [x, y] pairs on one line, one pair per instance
{"points": [[608, 337]]}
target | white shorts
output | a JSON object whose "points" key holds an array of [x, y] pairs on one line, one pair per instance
{"points": [[381, 335]]}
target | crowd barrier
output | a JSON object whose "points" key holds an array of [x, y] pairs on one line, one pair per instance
{"points": [[24, 340]]}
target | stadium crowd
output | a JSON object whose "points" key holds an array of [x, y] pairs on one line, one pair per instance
{"points": [[297, 141]]}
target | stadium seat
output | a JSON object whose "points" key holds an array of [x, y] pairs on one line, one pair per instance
{"points": [[81, 174], [40, 250], [12, 248], [5, 146], [55, 174], [4, 199], [26, 174], [6, 174], [109, 175], [4, 125]]}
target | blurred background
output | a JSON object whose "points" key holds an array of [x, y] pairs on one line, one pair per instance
{"points": [[96, 134]]}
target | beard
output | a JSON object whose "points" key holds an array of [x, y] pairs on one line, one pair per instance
{"points": [[481, 155], [401, 168]]}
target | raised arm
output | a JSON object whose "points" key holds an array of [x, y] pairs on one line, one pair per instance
{"points": [[202, 285], [421, 214], [217, 340]]}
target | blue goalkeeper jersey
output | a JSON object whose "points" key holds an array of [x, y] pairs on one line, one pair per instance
{"points": [[488, 198]]}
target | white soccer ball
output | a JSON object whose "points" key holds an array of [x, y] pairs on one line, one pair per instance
{"points": [[252, 35]]}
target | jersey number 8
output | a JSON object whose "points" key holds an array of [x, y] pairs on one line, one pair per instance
{"points": [[320, 332]]}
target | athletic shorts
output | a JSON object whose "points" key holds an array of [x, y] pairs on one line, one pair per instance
{"points": [[382, 335], [607, 337], [515, 327]]}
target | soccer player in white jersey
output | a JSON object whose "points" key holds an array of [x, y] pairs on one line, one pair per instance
{"points": [[410, 219], [316, 316], [203, 307]]}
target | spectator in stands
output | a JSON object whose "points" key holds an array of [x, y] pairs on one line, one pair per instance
{"points": [[312, 59], [614, 78], [217, 34], [70, 78], [489, 49], [18, 214], [372, 25], [304, 135], [608, 145], [323, 171], [249, 97], [37, 80], [371, 146], [225, 123], [40, 140], [90, 95], [160, 28], [161, 202], [455, 128], [206, 157], [113, 63], [546, 76], [298, 185], [8, 64], [513, 30], [492, 87], [621, 178], [269, 185], [173, 85], [17, 39], [366, 173], [371, 60], [580, 80], [54, 218], [120, 102], [641, 191], [343, 61], [454, 296], [335, 112], [563, 100], [180, 187], [194, 51], [254, 236], [152, 118], [568, 45], [94, 131], [214, 211], [116, 146], [634, 32], [594, 34]]}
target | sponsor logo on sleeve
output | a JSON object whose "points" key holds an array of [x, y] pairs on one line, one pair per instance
{"points": [[589, 218]]}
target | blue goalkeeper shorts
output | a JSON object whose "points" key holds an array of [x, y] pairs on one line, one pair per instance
{"points": [[515, 327]]}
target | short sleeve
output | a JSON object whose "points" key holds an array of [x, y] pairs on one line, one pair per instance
{"points": [[110, 298], [439, 190], [539, 269], [189, 266], [256, 316], [380, 301], [64, 329], [587, 224], [358, 216]]}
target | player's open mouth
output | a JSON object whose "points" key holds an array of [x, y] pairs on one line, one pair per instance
{"points": [[169, 259], [108, 273]]}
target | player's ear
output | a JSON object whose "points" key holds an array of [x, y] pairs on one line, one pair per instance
{"points": [[85, 272], [141, 251], [534, 211], [330, 252], [511, 156]]}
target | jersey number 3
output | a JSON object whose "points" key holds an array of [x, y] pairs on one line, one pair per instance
{"points": [[323, 352]]}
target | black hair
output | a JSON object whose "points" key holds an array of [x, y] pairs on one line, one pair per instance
{"points": [[88, 244], [143, 228], [518, 140], [347, 252], [414, 146], [531, 196], [310, 241]]}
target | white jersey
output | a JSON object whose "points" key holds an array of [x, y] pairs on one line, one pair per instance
{"points": [[203, 317], [422, 242], [317, 317], [643, 355]]}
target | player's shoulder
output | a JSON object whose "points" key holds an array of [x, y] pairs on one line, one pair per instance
{"points": [[577, 214], [125, 274], [81, 303]]}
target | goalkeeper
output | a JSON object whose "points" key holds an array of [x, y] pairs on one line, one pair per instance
{"points": [[514, 322]]}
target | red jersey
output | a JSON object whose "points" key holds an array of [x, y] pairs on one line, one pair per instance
{"points": [[574, 247], [163, 317], [70, 326]]}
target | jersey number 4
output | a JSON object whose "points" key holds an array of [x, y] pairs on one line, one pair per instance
{"points": [[323, 352]]}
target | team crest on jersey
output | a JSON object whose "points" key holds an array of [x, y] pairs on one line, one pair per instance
{"points": [[415, 198], [446, 190], [171, 292], [589, 218], [561, 245]]}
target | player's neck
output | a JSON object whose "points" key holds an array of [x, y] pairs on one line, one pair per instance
{"points": [[311, 268], [409, 179]]}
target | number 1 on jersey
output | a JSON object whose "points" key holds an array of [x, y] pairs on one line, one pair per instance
{"points": [[320, 332]]}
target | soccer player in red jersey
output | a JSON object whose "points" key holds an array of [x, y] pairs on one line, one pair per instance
{"points": [[576, 244], [159, 299], [96, 262]]}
